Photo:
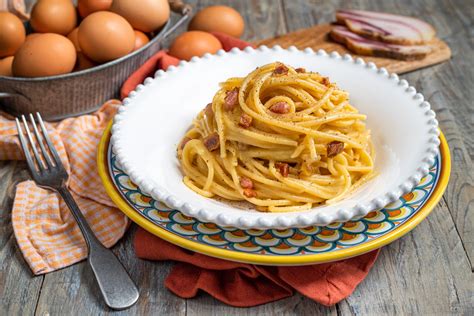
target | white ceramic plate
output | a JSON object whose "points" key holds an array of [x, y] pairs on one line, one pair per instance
{"points": [[156, 115]]}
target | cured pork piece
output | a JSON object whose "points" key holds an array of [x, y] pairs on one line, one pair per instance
{"points": [[364, 46], [390, 28]]}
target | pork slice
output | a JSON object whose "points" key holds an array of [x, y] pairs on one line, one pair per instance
{"points": [[390, 28], [364, 46]]}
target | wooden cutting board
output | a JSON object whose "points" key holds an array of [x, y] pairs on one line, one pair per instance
{"points": [[317, 37]]}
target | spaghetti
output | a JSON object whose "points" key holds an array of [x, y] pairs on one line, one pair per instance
{"points": [[283, 139]]}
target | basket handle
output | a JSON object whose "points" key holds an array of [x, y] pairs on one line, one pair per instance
{"points": [[180, 7], [184, 9], [8, 95], [11, 95], [4, 95]]}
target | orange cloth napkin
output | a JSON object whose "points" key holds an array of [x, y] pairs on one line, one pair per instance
{"points": [[245, 285], [45, 229], [240, 284]]}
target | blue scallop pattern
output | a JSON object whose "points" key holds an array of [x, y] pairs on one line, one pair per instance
{"points": [[294, 241]]}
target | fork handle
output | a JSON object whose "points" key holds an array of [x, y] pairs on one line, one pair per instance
{"points": [[117, 287]]}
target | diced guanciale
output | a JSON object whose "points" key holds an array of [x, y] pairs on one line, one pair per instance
{"points": [[250, 193], [280, 107], [280, 70], [334, 148], [283, 168], [246, 183], [211, 142], [245, 120], [325, 81], [324, 171], [300, 70], [231, 99]]}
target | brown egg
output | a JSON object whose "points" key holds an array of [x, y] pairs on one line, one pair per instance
{"points": [[73, 38], [194, 43], [44, 55], [53, 16], [83, 62], [6, 66], [32, 35], [104, 36], [87, 7], [12, 34], [218, 18], [140, 39], [147, 16]]}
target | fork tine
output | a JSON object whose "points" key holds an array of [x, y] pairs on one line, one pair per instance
{"points": [[32, 144], [51, 147], [24, 146], [40, 141]]}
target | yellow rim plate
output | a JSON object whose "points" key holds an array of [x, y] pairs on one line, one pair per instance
{"points": [[393, 235]]}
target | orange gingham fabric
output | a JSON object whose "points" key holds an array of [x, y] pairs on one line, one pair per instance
{"points": [[45, 229]]}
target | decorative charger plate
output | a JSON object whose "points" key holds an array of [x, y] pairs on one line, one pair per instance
{"points": [[295, 246], [154, 118]]}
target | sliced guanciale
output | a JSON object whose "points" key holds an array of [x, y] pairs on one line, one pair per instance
{"points": [[280, 108], [250, 193], [300, 70], [280, 70], [211, 142], [390, 28], [184, 141], [246, 183], [231, 99], [283, 168], [364, 46], [334, 148], [245, 120]]}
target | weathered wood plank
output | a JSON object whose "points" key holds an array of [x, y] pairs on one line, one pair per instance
{"points": [[295, 305], [424, 273], [262, 18], [446, 102], [73, 290], [19, 290], [449, 88]]}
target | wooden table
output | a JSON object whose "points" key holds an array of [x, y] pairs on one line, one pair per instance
{"points": [[429, 271]]}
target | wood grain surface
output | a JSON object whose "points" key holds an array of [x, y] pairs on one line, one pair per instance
{"points": [[317, 37], [427, 272]]}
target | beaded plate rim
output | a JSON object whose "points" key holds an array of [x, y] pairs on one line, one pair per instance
{"points": [[235, 218]]}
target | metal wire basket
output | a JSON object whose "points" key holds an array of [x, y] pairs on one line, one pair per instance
{"points": [[76, 93]]}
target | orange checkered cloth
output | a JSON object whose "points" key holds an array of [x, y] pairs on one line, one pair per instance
{"points": [[45, 229]]}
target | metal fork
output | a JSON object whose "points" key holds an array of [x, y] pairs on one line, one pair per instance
{"points": [[46, 168]]}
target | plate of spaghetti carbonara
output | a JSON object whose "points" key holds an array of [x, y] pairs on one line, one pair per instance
{"points": [[275, 138], [282, 139]]}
